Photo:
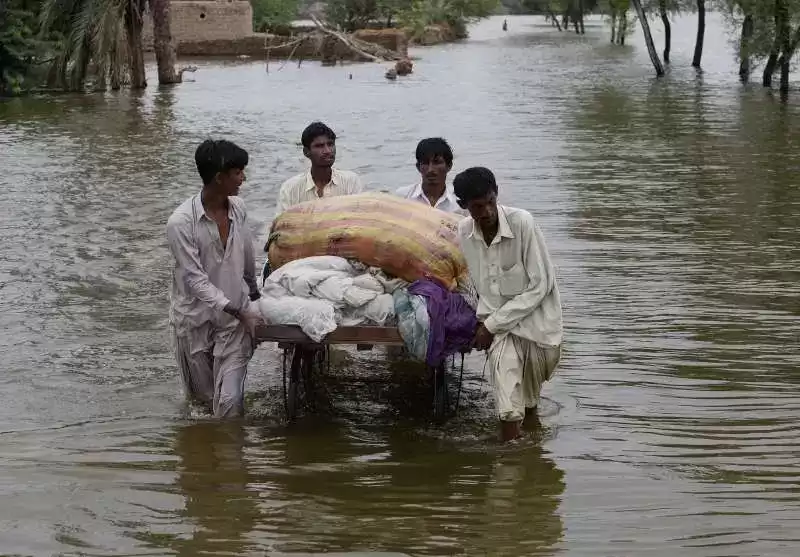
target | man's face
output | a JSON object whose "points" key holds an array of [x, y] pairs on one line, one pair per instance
{"points": [[322, 151], [230, 181], [434, 171], [483, 211]]}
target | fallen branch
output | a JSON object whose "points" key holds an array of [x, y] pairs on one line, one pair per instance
{"points": [[190, 69], [290, 56], [285, 45], [362, 48]]}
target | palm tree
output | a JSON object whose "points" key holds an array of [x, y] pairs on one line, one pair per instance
{"points": [[107, 33], [162, 43]]}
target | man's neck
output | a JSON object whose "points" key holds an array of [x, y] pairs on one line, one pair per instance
{"points": [[321, 175], [433, 192], [213, 202], [490, 233]]}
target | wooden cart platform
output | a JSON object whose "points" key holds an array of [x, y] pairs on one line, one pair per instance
{"points": [[306, 354]]}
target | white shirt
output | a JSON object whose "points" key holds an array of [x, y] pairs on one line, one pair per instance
{"points": [[447, 202], [302, 188], [515, 278], [208, 276]]}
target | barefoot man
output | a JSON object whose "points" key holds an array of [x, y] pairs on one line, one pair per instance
{"points": [[519, 307]]}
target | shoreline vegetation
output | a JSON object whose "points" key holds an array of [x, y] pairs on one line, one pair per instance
{"points": [[91, 45], [81, 45]]}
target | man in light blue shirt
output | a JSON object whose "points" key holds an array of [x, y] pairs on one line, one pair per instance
{"points": [[434, 161]]}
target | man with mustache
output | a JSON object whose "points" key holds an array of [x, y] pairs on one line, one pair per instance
{"points": [[322, 179], [519, 306], [434, 161]]}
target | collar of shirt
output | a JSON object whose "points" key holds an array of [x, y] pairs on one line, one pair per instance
{"points": [[200, 211], [448, 197], [336, 180], [503, 228]]}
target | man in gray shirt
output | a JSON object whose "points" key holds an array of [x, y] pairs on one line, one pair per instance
{"points": [[212, 313]]}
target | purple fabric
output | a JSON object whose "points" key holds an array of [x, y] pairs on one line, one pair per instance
{"points": [[452, 320]]}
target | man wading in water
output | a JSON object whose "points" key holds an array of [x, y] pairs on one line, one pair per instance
{"points": [[213, 283], [434, 161], [322, 179], [519, 307]]}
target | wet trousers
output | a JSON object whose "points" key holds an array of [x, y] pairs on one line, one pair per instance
{"points": [[518, 369], [212, 361]]}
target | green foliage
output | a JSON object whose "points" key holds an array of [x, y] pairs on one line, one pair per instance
{"points": [[414, 14], [20, 47], [453, 13], [271, 14], [351, 14]]}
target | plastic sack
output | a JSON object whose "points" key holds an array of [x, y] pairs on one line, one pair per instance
{"points": [[317, 318], [413, 322], [404, 238]]}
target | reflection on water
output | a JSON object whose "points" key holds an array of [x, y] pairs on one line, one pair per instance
{"points": [[670, 207], [335, 487]]}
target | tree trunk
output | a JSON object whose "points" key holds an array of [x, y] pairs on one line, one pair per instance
{"points": [[769, 69], [792, 49], [662, 7], [623, 28], [554, 19], [613, 27], [580, 18], [162, 43], [786, 47], [565, 21], [701, 33], [133, 31], [744, 48], [772, 61], [648, 38], [115, 66]]}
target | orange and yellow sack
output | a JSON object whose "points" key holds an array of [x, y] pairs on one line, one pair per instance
{"points": [[405, 238]]}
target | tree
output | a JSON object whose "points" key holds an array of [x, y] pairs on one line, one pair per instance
{"points": [[163, 45], [105, 32], [20, 46], [662, 10], [701, 31], [271, 14], [648, 38]]}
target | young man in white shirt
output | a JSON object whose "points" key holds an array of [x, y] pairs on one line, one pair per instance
{"points": [[434, 161], [322, 179], [212, 313], [519, 308]]}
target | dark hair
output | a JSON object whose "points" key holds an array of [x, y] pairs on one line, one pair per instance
{"points": [[315, 130], [474, 183], [433, 147], [213, 156]]}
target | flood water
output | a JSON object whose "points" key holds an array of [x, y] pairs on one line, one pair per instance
{"points": [[670, 207]]}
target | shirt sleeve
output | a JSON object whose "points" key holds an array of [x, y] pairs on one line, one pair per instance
{"points": [[284, 198], [358, 185], [249, 256], [541, 277], [184, 249]]}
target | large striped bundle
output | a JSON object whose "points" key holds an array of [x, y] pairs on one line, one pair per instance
{"points": [[405, 238]]}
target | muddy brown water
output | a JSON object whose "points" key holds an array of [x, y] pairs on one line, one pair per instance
{"points": [[671, 209]]}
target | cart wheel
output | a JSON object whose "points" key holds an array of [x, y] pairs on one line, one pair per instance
{"points": [[441, 397]]}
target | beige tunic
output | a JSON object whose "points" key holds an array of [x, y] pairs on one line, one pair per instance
{"points": [[212, 347]]}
